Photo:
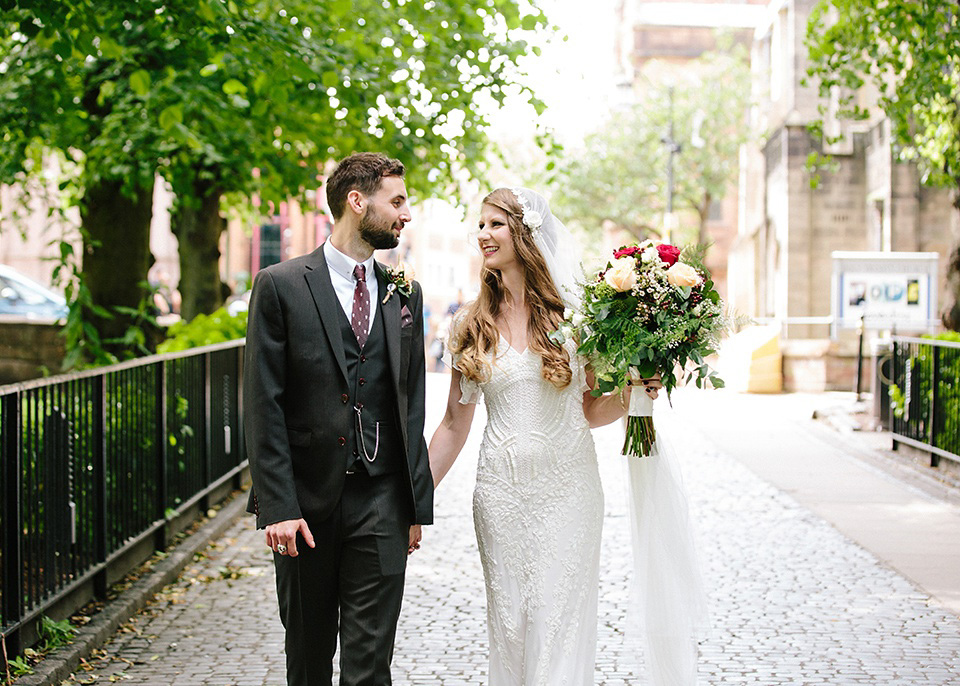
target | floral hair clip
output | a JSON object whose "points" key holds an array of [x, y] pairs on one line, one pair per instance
{"points": [[400, 279], [531, 218]]}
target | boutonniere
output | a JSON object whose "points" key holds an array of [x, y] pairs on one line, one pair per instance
{"points": [[399, 278]]}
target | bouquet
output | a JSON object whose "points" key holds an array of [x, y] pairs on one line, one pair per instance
{"points": [[653, 308]]}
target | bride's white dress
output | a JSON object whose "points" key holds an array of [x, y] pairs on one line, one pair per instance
{"points": [[538, 512]]}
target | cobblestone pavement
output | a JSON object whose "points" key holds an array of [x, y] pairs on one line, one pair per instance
{"points": [[792, 600]]}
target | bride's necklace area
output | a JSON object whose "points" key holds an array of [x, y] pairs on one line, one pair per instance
{"points": [[513, 318]]}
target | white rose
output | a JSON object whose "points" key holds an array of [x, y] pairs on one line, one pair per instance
{"points": [[532, 219], [649, 255], [683, 275], [577, 319], [622, 276]]}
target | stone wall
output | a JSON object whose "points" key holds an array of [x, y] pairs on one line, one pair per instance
{"points": [[27, 347], [816, 365]]}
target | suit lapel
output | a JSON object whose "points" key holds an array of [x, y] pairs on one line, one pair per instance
{"points": [[328, 306], [391, 324]]}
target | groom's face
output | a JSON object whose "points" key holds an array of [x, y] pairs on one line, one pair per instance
{"points": [[385, 215]]}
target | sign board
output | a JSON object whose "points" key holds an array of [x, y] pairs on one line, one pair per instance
{"points": [[887, 289]]}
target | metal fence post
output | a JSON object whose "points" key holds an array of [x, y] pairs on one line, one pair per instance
{"points": [[934, 397], [160, 539], [12, 525], [239, 439], [894, 376], [207, 432], [100, 519]]}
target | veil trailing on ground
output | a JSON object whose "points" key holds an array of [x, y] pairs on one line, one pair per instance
{"points": [[668, 605]]}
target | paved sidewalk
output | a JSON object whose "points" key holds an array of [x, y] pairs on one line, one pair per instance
{"points": [[794, 601]]}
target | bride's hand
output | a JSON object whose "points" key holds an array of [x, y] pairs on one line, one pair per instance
{"points": [[651, 385]]}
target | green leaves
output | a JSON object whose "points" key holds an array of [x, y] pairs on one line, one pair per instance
{"points": [[140, 82], [232, 86], [171, 116]]}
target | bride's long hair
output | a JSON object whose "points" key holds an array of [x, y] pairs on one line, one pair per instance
{"points": [[475, 336]]}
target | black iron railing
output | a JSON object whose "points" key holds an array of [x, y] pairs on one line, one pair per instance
{"points": [[925, 396], [95, 463]]}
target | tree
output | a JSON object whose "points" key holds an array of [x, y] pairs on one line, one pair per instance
{"points": [[620, 175], [909, 51], [206, 93]]}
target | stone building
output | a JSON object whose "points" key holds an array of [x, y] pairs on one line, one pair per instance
{"points": [[780, 264]]}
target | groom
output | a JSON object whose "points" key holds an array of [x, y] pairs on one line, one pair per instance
{"points": [[333, 413]]}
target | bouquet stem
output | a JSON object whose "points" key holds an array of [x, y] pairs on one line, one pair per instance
{"points": [[640, 434], [640, 437]]}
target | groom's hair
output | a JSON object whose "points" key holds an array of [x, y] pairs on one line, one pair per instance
{"points": [[362, 171]]}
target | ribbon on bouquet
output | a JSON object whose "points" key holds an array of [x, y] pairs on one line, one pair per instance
{"points": [[640, 434]]}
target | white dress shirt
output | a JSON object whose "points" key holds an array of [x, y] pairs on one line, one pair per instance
{"points": [[341, 276]]}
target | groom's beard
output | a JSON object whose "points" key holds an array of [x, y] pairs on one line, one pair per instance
{"points": [[377, 231]]}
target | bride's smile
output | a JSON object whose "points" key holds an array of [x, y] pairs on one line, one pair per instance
{"points": [[496, 244]]}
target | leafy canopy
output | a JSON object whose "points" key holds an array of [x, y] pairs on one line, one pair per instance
{"points": [[620, 175], [910, 53], [216, 90]]}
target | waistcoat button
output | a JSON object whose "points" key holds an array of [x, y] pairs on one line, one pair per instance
{"points": [[344, 398], [342, 440]]}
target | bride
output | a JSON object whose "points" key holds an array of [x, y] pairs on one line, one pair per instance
{"points": [[538, 503]]}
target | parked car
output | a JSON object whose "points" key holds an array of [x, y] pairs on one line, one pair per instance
{"points": [[25, 297]]}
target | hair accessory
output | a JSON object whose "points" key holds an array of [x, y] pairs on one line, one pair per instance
{"points": [[532, 219]]}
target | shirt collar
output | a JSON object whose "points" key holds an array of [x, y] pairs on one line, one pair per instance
{"points": [[343, 264]]}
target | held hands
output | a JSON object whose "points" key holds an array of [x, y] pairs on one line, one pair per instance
{"points": [[416, 534], [282, 536]]}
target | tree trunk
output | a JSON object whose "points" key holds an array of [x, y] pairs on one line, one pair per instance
{"points": [[116, 252], [197, 224], [951, 316], [704, 211]]}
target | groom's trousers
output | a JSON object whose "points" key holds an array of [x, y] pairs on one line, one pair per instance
{"points": [[351, 583]]}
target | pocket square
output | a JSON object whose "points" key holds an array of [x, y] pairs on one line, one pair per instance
{"points": [[406, 319]]}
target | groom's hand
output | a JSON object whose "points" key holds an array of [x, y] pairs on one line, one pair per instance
{"points": [[282, 536], [416, 533]]}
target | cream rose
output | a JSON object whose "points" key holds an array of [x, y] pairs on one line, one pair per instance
{"points": [[622, 275], [683, 275]]}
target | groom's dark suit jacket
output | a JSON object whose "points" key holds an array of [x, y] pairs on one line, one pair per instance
{"points": [[299, 411]]}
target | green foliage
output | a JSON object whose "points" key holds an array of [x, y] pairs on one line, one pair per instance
{"points": [[243, 98], [19, 666], [908, 52], [203, 329], [55, 634], [948, 391], [620, 175]]}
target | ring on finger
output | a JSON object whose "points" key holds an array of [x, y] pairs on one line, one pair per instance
{"points": [[281, 548]]}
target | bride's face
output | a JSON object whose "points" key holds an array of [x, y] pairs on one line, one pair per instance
{"points": [[494, 239]]}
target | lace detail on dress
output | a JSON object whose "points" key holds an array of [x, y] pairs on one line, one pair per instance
{"points": [[538, 511]]}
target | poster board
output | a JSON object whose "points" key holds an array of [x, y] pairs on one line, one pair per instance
{"points": [[888, 290]]}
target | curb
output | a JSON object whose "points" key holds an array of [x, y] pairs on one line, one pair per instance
{"points": [[59, 664]]}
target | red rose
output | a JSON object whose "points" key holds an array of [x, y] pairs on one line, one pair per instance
{"points": [[626, 251], [668, 254]]}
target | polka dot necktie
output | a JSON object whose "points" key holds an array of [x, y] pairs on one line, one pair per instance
{"points": [[360, 319]]}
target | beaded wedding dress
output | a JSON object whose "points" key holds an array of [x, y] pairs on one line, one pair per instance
{"points": [[538, 512]]}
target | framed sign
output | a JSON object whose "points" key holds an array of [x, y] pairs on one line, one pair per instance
{"points": [[886, 289]]}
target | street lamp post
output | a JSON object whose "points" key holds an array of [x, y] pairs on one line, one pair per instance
{"points": [[673, 148]]}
